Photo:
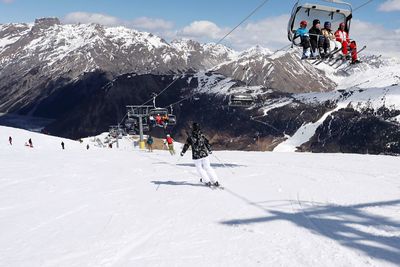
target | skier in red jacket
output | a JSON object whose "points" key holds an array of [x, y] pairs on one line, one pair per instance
{"points": [[343, 37], [170, 143]]}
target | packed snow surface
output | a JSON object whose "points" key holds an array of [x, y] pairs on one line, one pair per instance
{"points": [[125, 207]]}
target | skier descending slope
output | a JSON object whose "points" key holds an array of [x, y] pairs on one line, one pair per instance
{"points": [[200, 150]]}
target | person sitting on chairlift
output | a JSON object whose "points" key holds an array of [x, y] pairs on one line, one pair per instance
{"points": [[316, 39], [329, 39], [302, 32], [158, 119], [152, 120], [343, 37]]}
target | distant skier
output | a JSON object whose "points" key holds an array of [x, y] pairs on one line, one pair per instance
{"points": [[302, 32], [150, 142], [170, 143], [30, 142], [10, 140], [87, 147], [200, 150], [62, 145]]}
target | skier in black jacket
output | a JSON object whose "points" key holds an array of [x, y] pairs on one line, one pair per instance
{"points": [[200, 150], [316, 39]]}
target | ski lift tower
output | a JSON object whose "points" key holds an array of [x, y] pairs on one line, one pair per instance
{"points": [[141, 115]]}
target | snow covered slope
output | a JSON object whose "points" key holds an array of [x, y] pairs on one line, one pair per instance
{"points": [[108, 207], [374, 72], [281, 71]]}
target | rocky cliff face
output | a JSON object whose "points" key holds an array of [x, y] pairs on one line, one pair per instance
{"points": [[282, 71]]}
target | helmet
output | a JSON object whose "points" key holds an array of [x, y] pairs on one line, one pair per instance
{"points": [[327, 24], [303, 23], [342, 25], [315, 22], [168, 135]]}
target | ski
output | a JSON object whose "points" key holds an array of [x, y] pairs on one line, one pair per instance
{"points": [[358, 52], [337, 60], [327, 58], [211, 186]]}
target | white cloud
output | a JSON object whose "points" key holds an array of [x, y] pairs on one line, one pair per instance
{"points": [[270, 32], [84, 17], [378, 39], [201, 29], [390, 5]]}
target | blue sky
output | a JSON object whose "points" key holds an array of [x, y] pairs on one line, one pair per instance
{"points": [[205, 20], [181, 12]]}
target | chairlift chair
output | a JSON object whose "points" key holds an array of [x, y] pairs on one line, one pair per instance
{"points": [[241, 100], [171, 120], [162, 112], [334, 11]]}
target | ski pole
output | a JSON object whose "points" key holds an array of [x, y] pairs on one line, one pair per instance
{"points": [[222, 163]]}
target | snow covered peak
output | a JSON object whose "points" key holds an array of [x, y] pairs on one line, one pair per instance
{"points": [[256, 51], [216, 50]]}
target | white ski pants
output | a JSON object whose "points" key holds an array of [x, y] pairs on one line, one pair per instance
{"points": [[204, 169], [334, 45]]}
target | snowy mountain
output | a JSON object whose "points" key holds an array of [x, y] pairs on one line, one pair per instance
{"points": [[38, 59], [79, 78], [125, 207], [199, 56], [281, 71]]}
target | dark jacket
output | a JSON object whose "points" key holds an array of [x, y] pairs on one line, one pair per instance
{"points": [[316, 38], [199, 143], [150, 140]]}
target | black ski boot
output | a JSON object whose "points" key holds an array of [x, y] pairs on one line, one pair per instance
{"points": [[208, 184], [216, 184]]}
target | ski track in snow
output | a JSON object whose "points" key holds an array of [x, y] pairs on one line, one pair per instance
{"points": [[124, 207]]}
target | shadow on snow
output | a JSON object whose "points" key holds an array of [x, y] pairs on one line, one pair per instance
{"points": [[345, 224], [174, 183]]}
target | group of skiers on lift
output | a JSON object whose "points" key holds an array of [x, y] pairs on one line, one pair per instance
{"points": [[159, 120], [322, 41]]}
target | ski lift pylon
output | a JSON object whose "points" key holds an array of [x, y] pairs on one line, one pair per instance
{"points": [[334, 11]]}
